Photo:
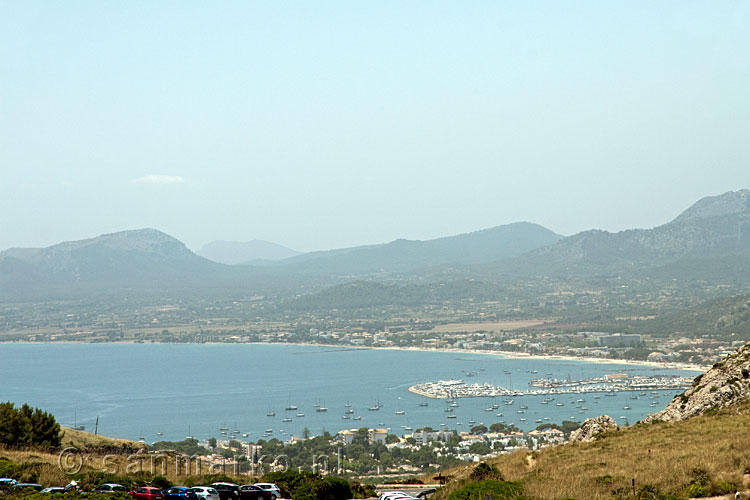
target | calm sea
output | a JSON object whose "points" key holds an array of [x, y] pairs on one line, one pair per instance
{"points": [[140, 390]]}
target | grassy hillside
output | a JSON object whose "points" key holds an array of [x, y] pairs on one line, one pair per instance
{"points": [[88, 441], [44, 466], [701, 456]]}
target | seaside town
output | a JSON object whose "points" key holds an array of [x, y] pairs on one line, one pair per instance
{"points": [[351, 450]]}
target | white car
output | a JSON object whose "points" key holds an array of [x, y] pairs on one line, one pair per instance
{"points": [[394, 495], [205, 492], [271, 488]]}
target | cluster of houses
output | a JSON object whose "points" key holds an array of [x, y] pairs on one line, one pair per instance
{"points": [[498, 442]]}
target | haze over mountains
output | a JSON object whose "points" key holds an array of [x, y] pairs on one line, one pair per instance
{"points": [[712, 236], [244, 252]]}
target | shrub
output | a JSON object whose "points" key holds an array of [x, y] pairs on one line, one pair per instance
{"points": [[308, 486], [695, 491], [722, 488], [485, 471], [499, 490], [363, 490], [412, 480], [161, 482]]}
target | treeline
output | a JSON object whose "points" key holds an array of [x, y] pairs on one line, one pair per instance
{"points": [[27, 426]]}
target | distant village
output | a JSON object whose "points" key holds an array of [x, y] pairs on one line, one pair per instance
{"points": [[584, 344]]}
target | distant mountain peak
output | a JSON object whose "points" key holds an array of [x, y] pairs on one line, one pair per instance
{"points": [[729, 203], [145, 240]]}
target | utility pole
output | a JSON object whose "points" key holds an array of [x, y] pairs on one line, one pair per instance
{"points": [[96, 427]]}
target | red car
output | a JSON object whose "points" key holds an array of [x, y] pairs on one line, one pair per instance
{"points": [[146, 493]]}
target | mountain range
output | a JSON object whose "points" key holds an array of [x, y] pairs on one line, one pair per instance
{"points": [[710, 238], [714, 228]]}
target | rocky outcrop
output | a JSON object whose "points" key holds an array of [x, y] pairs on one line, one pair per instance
{"points": [[593, 426], [726, 384]]}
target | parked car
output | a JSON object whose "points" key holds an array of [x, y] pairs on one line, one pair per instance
{"points": [[254, 492], [180, 493], [110, 488], [394, 495], [34, 486], [269, 487], [7, 481], [53, 489], [146, 493], [227, 491], [205, 493]]}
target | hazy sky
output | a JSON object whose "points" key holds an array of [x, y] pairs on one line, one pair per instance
{"points": [[321, 124]]}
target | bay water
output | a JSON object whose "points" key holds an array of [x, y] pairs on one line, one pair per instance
{"points": [[171, 391]]}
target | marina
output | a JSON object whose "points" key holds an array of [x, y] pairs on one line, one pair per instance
{"points": [[608, 384]]}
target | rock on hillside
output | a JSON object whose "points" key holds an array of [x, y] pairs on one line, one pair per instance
{"points": [[591, 427], [724, 385]]}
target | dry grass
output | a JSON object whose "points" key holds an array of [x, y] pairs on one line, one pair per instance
{"points": [[100, 454], [87, 440], [661, 454]]}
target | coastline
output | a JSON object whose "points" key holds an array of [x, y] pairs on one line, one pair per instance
{"points": [[501, 354]]}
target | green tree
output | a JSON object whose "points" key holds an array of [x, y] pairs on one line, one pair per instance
{"points": [[480, 448], [392, 438], [28, 426]]}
